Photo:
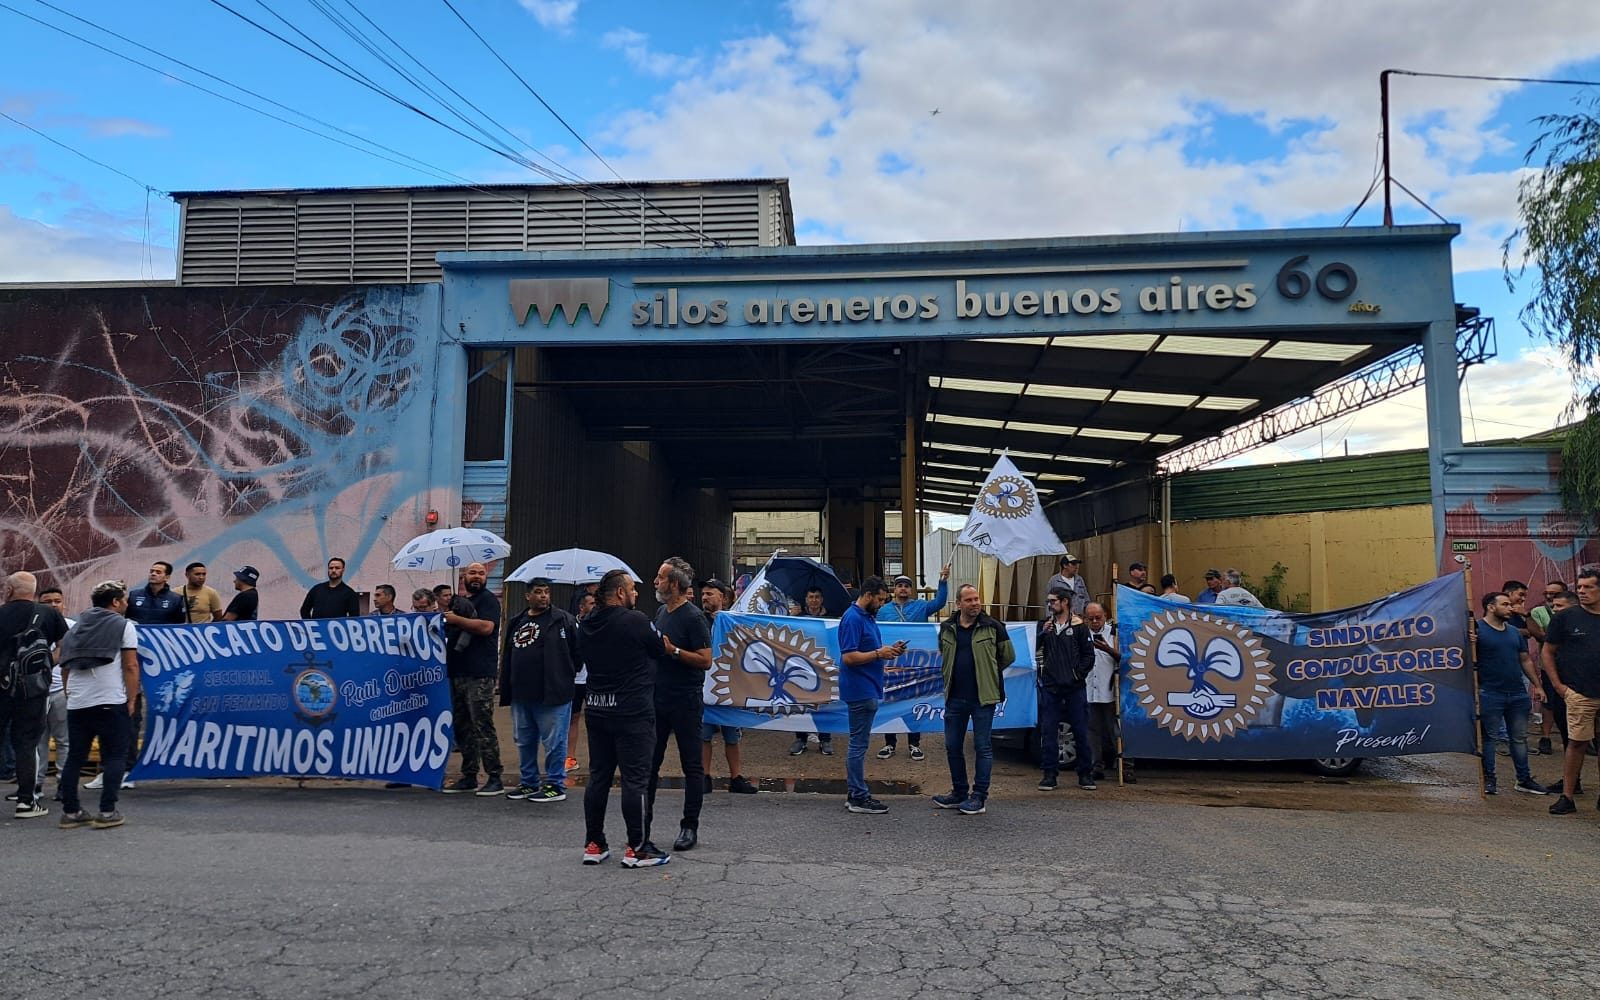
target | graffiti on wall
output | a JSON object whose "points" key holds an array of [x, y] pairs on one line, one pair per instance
{"points": [[229, 428], [1505, 518]]}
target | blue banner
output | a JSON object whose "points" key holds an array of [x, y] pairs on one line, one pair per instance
{"points": [[1383, 679], [777, 672], [332, 698]]}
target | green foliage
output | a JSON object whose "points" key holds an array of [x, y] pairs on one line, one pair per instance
{"points": [[1559, 203], [1270, 591]]}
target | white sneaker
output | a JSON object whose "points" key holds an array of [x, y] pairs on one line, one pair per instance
{"points": [[126, 784], [98, 782]]}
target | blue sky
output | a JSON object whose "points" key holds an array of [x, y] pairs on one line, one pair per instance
{"points": [[1054, 119]]}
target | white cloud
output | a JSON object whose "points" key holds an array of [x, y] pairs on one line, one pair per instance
{"points": [[1091, 131], [34, 251], [635, 47], [555, 14]]}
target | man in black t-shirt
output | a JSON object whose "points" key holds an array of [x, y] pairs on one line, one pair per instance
{"points": [[246, 601], [618, 646], [472, 664], [680, 679], [1571, 661], [333, 598], [25, 716]]}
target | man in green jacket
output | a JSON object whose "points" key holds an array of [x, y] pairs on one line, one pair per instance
{"points": [[976, 651]]}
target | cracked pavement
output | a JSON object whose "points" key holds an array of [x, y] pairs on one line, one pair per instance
{"points": [[264, 891]]}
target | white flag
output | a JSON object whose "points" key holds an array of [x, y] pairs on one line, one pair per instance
{"points": [[761, 598], [1007, 520]]}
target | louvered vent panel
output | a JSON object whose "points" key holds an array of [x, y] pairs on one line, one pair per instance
{"points": [[496, 222], [326, 236], [210, 244], [438, 225], [555, 220], [267, 244], [383, 240], [611, 221]]}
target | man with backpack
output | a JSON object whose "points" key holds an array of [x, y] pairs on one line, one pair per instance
{"points": [[27, 631], [100, 667]]}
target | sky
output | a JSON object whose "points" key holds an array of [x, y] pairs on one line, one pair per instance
{"points": [[894, 120]]}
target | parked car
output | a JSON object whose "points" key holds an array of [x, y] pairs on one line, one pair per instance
{"points": [[1067, 756]]}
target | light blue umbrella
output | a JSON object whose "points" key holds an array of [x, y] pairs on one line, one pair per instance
{"points": [[570, 566]]}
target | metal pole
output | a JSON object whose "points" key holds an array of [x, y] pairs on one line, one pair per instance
{"points": [[1383, 132], [910, 533], [1116, 680], [1472, 665]]}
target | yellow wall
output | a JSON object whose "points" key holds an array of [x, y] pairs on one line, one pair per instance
{"points": [[1337, 558]]}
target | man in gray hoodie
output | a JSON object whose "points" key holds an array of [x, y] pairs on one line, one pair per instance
{"points": [[100, 668]]}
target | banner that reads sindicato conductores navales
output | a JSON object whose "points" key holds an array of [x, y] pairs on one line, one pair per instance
{"points": [[334, 698], [1382, 679], [779, 672]]}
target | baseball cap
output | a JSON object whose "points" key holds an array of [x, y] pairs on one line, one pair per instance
{"points": [[1137, 565], [1213, 574], [902, 578], [249, 574], [727, 591]]}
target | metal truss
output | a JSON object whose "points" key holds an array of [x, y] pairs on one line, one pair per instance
{"points": [[1475, 344]]}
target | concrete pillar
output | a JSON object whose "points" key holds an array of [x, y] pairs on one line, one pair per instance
{"points": [[1443, 396]]}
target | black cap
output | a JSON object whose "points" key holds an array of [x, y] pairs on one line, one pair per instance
{"points": [[249, 574], [1134, 566], [727, 591]]}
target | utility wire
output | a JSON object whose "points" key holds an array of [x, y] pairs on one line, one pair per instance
{"points": [[1494, 79], [421, 166], [529, 88], [364, 81], [80, 153]]}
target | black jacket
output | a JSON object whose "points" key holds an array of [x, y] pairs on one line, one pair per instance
{"points": [[1064, 656], [620, 647], [541, 658]]}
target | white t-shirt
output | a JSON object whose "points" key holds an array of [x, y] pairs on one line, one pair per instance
{"points": [[55, 669], [1238, 597], [1105, 668], [101, 685], [1176, 598]]}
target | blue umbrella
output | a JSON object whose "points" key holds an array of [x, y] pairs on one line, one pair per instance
{"points": [[794, 575]]}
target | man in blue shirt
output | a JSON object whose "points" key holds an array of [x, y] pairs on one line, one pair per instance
{"points": [[903, 609], [1215, 584], [1505, 677], [862, 655]]}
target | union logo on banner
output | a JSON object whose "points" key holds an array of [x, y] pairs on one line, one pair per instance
{"points": [[1201, 677]]}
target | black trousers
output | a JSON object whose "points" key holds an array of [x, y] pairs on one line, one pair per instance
{"points": [[680, 720], [618, 743], [25, 716], [114, 726]]}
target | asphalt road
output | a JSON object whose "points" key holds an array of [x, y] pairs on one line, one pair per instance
{"points": [[1211, 883]]}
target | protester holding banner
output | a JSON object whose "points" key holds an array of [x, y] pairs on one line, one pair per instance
{"points": [[473, 662], [975, 652], [862, 656], [1571, 659], [903, 608], [1505, 674], [537, 681], [1064, 652], [100, 669]]}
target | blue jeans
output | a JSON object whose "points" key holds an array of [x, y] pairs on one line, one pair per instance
{"points": [[855, 758], [957, 713], [533, 725], [1505, 716], [1070, 705]]}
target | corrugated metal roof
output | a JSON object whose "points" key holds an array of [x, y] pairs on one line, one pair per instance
{"points": [[376, 188], [1387, 479]]}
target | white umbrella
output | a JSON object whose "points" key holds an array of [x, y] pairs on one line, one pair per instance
{"points": [[448, 548], [569, 566]]}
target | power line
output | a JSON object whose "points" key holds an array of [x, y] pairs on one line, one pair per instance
{"points": [[536, 96], [419, 165], [1495, 79], [80, 153], [516, 158]]}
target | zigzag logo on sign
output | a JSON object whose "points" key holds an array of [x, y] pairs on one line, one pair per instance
{"points": [[547, 296]]}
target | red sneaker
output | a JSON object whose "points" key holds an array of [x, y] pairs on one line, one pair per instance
{"points": [[593, 853]]}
